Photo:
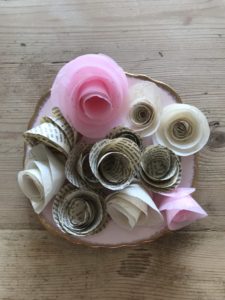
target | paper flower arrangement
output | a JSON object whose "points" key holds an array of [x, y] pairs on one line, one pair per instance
{"points": [[110, 150]]}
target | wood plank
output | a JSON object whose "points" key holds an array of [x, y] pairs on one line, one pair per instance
{"points": [[179, 42], [184, 266], [133, 31]]}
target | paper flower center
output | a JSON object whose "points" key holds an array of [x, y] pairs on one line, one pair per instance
{"points": [[79, 212], [96, 106], [142, 114], [181, 129], [114, 167], [32, 188], [182, 216]]}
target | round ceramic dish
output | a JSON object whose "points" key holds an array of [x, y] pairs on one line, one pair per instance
{"points": [[113, 236]]}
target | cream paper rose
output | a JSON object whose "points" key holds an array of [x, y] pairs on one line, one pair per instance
{"points": [[133, 207], [42, 178], [145, 108], [183, 129]]}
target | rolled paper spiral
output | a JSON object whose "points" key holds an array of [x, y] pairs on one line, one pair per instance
{"points": [[180, 130], [125, 132], [77, 168], [78, 212], [58, 120], [54, 131], [115, 163], [160, 168], [145, 108]]}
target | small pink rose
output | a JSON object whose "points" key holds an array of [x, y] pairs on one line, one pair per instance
{"points": [[179, 208], [91, 91]]}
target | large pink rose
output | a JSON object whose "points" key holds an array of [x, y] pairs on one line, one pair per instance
{"points": [[91, 91]]}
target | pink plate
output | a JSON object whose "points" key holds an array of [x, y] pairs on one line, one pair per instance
{"points": [[113, 236]]}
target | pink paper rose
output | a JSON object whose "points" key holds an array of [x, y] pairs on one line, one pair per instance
{"points": [[91, 91], [179, 208]]}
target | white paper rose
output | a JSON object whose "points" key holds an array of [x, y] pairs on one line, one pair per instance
{"points": [[183, 128], [145, 108], [133, 207], [42, 178]]}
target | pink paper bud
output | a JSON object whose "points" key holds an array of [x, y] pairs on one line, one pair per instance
{"points": [[179, 208]]}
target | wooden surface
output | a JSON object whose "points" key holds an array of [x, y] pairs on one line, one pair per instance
{"points": [[180, 42]]}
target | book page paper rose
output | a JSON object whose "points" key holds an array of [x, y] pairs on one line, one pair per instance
{"points": [[78, 212], [115, 162]]}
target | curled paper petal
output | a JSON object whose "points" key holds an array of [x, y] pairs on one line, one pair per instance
{"points": [[91, 91], [78, 212], [179, 208], [50, 135], [77, 168], [125, 132], [160, 168], [145, 108], [183, 129], [133, 207], [178, 193], [58, 120], [42, 178], [115, 162]]}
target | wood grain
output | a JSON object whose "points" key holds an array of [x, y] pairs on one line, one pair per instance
{"points": [[180, 266], [179, 42]]}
